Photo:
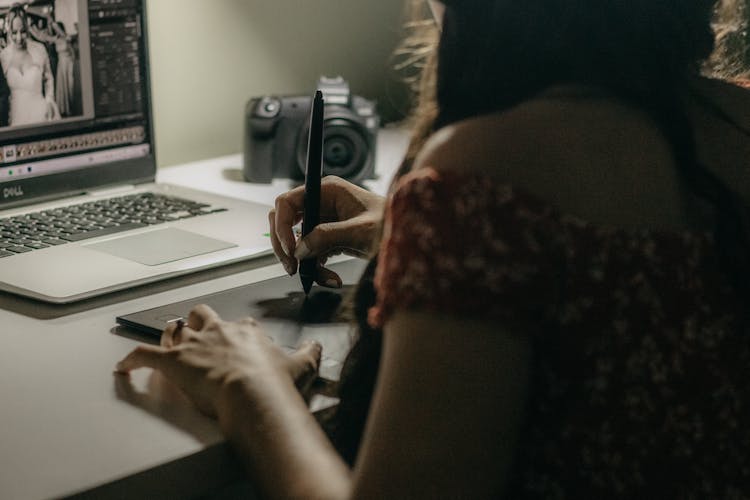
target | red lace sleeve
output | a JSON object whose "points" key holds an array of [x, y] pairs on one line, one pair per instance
{"points": [[461, 244]]}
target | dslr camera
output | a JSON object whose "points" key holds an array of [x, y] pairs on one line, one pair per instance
{"points": [[276, 130]]}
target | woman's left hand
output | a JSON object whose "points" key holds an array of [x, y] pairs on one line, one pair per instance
{"points": [[205, 355]]}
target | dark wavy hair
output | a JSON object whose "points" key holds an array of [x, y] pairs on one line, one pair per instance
{"points": [[630, 47], [495, 54]]}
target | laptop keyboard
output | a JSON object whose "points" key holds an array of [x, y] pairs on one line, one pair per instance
{"points": [[33, 231]]}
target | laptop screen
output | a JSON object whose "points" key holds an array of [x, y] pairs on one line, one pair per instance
{"points": [[74, 97]]}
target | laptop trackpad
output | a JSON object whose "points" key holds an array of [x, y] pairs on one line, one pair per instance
{"points": [[160, 246]]}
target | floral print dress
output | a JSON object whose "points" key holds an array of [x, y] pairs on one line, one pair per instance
{"points": [[641, 371]]}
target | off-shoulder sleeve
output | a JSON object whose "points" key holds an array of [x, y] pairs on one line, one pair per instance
{"points": [[463, 245]]}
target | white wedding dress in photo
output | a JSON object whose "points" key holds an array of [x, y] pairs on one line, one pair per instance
{"points": [[27, 104]]}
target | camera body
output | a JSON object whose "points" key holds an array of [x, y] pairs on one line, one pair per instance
{"points": [[276, 130]]}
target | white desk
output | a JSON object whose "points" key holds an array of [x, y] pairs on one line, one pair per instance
{"points": [[68, 426]]}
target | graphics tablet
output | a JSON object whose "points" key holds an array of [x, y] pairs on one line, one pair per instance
{"points": [[279, 304]]}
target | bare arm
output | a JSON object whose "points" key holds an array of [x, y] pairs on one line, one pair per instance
{"points": [[446, 409], [286, 452], [58, 32], [234, 372], [443, 422], [5, 60], [444, 416], [42, 36], [39, 55]]}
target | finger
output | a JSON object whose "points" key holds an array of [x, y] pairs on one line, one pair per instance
{"points": [[333, 190], [200, 316], [330, 236], [289, 208], [288, 212], [124, 389], [142, 356], [249, 321], [327, 278], [171, 334], [182, 334], [289, 263], [305, 362]]}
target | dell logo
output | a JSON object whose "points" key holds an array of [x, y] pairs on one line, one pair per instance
{"points": [[12, 192]]}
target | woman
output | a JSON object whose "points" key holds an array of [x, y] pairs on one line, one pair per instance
{"points": [[65, 84], [27, 70], [558, 304]]}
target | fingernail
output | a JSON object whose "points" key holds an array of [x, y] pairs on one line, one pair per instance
{"points": [[332, 283], [288, 269], [302, 250], [119, 367]]}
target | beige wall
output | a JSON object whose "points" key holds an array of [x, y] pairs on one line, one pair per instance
{"points": [[209, 56]]}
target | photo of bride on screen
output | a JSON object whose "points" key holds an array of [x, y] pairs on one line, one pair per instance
{"points": [[39, 56]]}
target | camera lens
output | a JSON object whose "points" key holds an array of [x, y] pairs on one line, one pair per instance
{"points": [[337, 151], [346, 152], [344, 149]]}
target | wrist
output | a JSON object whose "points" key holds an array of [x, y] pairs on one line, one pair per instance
{"points": [[243, 397], [232, 397]]}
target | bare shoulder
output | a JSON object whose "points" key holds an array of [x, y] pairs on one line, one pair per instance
{"points": [[588, 155], [545, 135]]}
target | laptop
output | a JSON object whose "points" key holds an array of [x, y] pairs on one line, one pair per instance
{"points": [[80, 212]]}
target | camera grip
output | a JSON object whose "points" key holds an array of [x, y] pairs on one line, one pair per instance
{"points": [[258, 161]]}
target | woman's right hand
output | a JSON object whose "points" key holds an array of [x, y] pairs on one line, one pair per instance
{"points": [[350, 220]]}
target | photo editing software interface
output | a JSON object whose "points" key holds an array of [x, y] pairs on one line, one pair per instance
{"points": [[73, 87]]}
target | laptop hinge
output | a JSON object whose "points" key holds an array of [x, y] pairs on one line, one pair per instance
{"points": [[111, 190]]}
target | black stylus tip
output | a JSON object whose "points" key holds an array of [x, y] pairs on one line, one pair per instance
{"points": [[306, 286]]}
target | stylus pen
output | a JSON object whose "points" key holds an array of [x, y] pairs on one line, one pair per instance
{"points": [[308, 268]]}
